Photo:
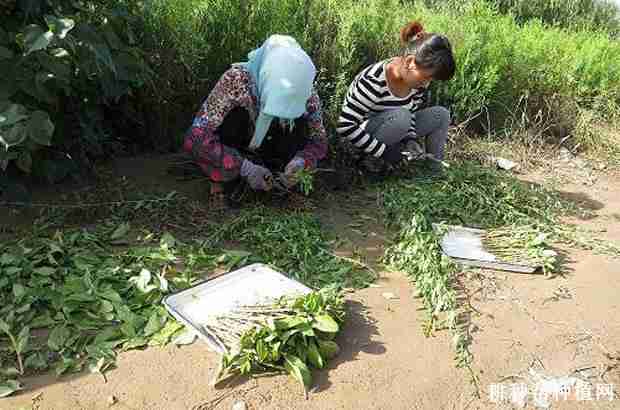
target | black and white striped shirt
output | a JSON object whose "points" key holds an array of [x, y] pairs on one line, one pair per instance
{"points": [[368, 94]]}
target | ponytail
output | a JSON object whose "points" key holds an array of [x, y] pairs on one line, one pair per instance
{"points": [[431, 51]]}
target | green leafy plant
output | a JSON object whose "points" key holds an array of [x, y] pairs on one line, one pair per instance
{"points": [[290, 335], [306, 179], [93, 300], [62, 64], [293, 243]]}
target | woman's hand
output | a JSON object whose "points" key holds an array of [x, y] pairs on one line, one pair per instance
{"points": [[291, 172], [259, 178]]}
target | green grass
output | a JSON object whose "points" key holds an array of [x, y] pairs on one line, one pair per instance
{"points": [[573, 14], [509, 67]]}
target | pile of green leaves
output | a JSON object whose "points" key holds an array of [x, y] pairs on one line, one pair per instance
{"points": [[293, 342], [293, 243], [417, 252], [73, 300], [472, 196], [62, 64]]}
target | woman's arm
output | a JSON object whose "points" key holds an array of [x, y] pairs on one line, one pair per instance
{"points": [[316, 149], [418, 101], [220, 162], [354, 117]]}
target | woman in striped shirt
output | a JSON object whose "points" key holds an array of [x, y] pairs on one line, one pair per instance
{"points": [[381, 115]]}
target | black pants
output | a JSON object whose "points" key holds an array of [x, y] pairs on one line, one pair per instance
{"points": [[279, 146]]}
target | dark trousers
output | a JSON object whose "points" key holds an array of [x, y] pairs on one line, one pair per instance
{"points": [[279, 146]]}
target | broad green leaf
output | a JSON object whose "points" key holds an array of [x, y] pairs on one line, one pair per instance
{"points": [[275, 351], [142, 281], [298, 369], [301, 348], [22, 340], [121, 231], [111, 295], [288, 334], [44, 320], [135, 343], [59, 26], [289, 322], [328, 349], [19, 291], [307, 330], [13, 114], [7, 259], [167, 332], [45, 271], [35, 38], [23, 308], [5, 53], [155, 324], [10, 372], [261, 350], [12, 270], [9, 387], [41, 128], [106, 306], [107, 334], [128, 330], [187, 337], [36, 361], [325, 323], [67, 364], [58, 338], [24, 162], [314, 356], [4, 327]]}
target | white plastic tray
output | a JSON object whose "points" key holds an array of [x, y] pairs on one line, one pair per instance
{"points": [[249, 285], [464, 246]]}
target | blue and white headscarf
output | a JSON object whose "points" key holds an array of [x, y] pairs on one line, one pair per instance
{"points": [[283, 76]]}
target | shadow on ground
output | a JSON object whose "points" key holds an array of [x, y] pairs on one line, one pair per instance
{"points": [[356, 337]]}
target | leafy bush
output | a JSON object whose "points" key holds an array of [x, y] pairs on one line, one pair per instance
{"points": [[63, 65]]}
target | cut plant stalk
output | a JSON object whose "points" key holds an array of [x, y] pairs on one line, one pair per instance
{"points": [[288, 334]]}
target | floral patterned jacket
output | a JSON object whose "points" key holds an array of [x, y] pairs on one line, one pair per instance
{"points": [[234, 89]]}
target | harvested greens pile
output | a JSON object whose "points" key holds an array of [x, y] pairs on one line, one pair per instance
{"points": [[521, 244], [286, 335]]}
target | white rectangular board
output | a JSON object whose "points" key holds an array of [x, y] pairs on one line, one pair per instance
{"points": [[249, 285]]}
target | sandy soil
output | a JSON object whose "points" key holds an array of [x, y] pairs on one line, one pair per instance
{"points": [[566, 324]]}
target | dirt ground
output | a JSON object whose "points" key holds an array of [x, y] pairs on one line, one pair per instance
{"points": [[565, 326]]}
